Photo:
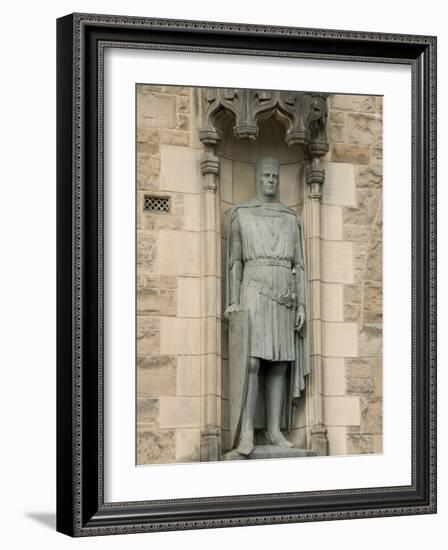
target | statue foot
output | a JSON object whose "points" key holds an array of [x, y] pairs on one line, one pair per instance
{"points": [[278, 439], [246, 444]]}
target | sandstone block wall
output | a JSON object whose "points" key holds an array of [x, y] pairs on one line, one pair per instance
{"points": [[168, 260], [169, 250], [352, 303]]}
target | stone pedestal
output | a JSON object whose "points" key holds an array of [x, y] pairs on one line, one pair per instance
{"points": [[269, 451]]}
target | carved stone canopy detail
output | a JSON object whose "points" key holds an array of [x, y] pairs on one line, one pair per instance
{"points": [[304, 115]]}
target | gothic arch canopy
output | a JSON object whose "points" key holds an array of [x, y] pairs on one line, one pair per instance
{"points": [[303, 114]]}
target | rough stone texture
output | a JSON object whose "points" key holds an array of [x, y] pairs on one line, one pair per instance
{"points": [[154, 281], [352, 294], [373, 302], [370, 340], [183, 122], [378, 443], [367, 207], [374, 266], [357, 386], [358, 103], [147, 182], [355, 129], [351, 154], [155, 446], [336, 126], [156, 301], [148, 141], [175, 137], [352, 312], [357, 233], [379, 377], [146, 252], [183, 103], [360, 255], [364, 129], [377, 156], [369, 176], [147, 165], [371, 416], [148, 335], [379, 105], [148, 412], [360, 444], [360, 368], [156, 375], [155, 110], [163, 123], [178, 90]]}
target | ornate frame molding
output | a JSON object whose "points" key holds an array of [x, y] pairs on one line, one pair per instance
{"points": [[82, 38]]}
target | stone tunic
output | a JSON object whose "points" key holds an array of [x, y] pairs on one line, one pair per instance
{"points": [[267, 239]]}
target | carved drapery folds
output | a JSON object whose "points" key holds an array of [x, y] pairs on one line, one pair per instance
{"points": [[304, 117]]}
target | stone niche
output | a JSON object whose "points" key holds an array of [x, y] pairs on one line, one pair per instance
{"points": [[236, 186], [196, 150]]}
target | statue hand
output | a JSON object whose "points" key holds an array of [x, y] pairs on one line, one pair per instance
{"points": [[300, 318], [233, 308]]}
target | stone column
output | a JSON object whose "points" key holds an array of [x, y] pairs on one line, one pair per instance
{"points": [[315, 176], [210, 285]]}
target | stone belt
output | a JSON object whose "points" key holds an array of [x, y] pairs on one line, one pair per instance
{"points": [[288, 299], [268, 262]]}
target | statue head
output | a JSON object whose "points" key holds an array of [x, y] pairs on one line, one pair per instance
{"points": [[267, 177]]}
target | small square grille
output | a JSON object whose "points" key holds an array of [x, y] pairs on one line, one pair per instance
{"points": [[156, 205]]}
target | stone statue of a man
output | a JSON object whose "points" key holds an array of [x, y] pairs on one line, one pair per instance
{"points": [[266, 277]]}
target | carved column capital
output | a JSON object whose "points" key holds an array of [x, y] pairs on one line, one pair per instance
{"points": [[315, 177], [210, 170]]}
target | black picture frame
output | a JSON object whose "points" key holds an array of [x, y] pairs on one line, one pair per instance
{"points": [[81, 510]]}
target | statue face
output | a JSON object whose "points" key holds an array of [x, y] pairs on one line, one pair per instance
{"points": [[269, 180]]}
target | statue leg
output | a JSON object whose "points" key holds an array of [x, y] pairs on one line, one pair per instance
{"points": [[274, 397], [246, 444]]}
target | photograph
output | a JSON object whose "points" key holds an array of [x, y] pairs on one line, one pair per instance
{"points": [[258, 274]]}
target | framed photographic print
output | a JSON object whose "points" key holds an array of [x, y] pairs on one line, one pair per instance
{"points": [[246, 274]]}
